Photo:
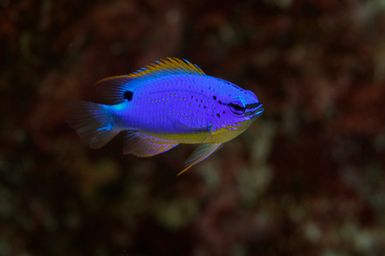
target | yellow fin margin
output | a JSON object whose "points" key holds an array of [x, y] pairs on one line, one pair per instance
{"points": [[169, 66]]}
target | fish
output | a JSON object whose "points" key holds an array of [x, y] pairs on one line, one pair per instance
{"points": [[162, 105]]}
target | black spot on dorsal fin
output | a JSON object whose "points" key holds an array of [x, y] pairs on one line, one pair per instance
{"points": [[128, 95]]}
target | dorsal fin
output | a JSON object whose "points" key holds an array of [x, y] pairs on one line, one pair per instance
{"points": [[111, 90], [168, 66]]}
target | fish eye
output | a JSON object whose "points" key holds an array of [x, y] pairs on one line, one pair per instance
{"points": [[236, 108]]}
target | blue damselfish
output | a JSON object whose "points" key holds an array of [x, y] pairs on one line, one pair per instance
{"points": [[167, 103]]}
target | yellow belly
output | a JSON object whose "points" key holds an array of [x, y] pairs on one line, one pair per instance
{"points": [[218, 136]]}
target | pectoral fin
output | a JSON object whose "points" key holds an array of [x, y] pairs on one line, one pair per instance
{"points": [[200, 154], [143, 145], [184, 128]]}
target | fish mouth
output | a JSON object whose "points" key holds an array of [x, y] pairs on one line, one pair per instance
{"points": [[255, 110]]}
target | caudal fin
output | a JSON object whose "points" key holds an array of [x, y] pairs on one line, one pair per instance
{"points": [[93, 122]]}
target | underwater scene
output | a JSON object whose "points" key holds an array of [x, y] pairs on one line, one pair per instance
{"points": [[192, 128]]}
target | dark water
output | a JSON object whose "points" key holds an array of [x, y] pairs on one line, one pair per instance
{"points": [[306, 179]]}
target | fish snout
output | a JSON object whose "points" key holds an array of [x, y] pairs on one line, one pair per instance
{"points": [[255, 110]]}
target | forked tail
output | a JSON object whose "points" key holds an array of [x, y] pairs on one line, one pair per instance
{"points": [[93, 122]]}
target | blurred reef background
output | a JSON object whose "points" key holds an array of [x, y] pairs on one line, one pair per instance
{"points": [[307, 178]]}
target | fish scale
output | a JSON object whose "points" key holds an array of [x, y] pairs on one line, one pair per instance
{"points": [[167, 103]]}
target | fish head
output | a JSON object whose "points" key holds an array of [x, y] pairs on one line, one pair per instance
{"points": [[246, 106], [241, 106]]}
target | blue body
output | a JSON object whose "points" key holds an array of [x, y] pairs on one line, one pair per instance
{"points": [[184, 103]]}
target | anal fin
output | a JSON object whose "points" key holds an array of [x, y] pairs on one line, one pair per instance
{"points": [[143, 145], [200, 154]]}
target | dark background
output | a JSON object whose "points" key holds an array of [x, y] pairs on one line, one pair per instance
{"points": [[307, 178]]}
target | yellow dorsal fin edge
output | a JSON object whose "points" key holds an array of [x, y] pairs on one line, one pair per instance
{"points": [[112, 79], [168, 65]]}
